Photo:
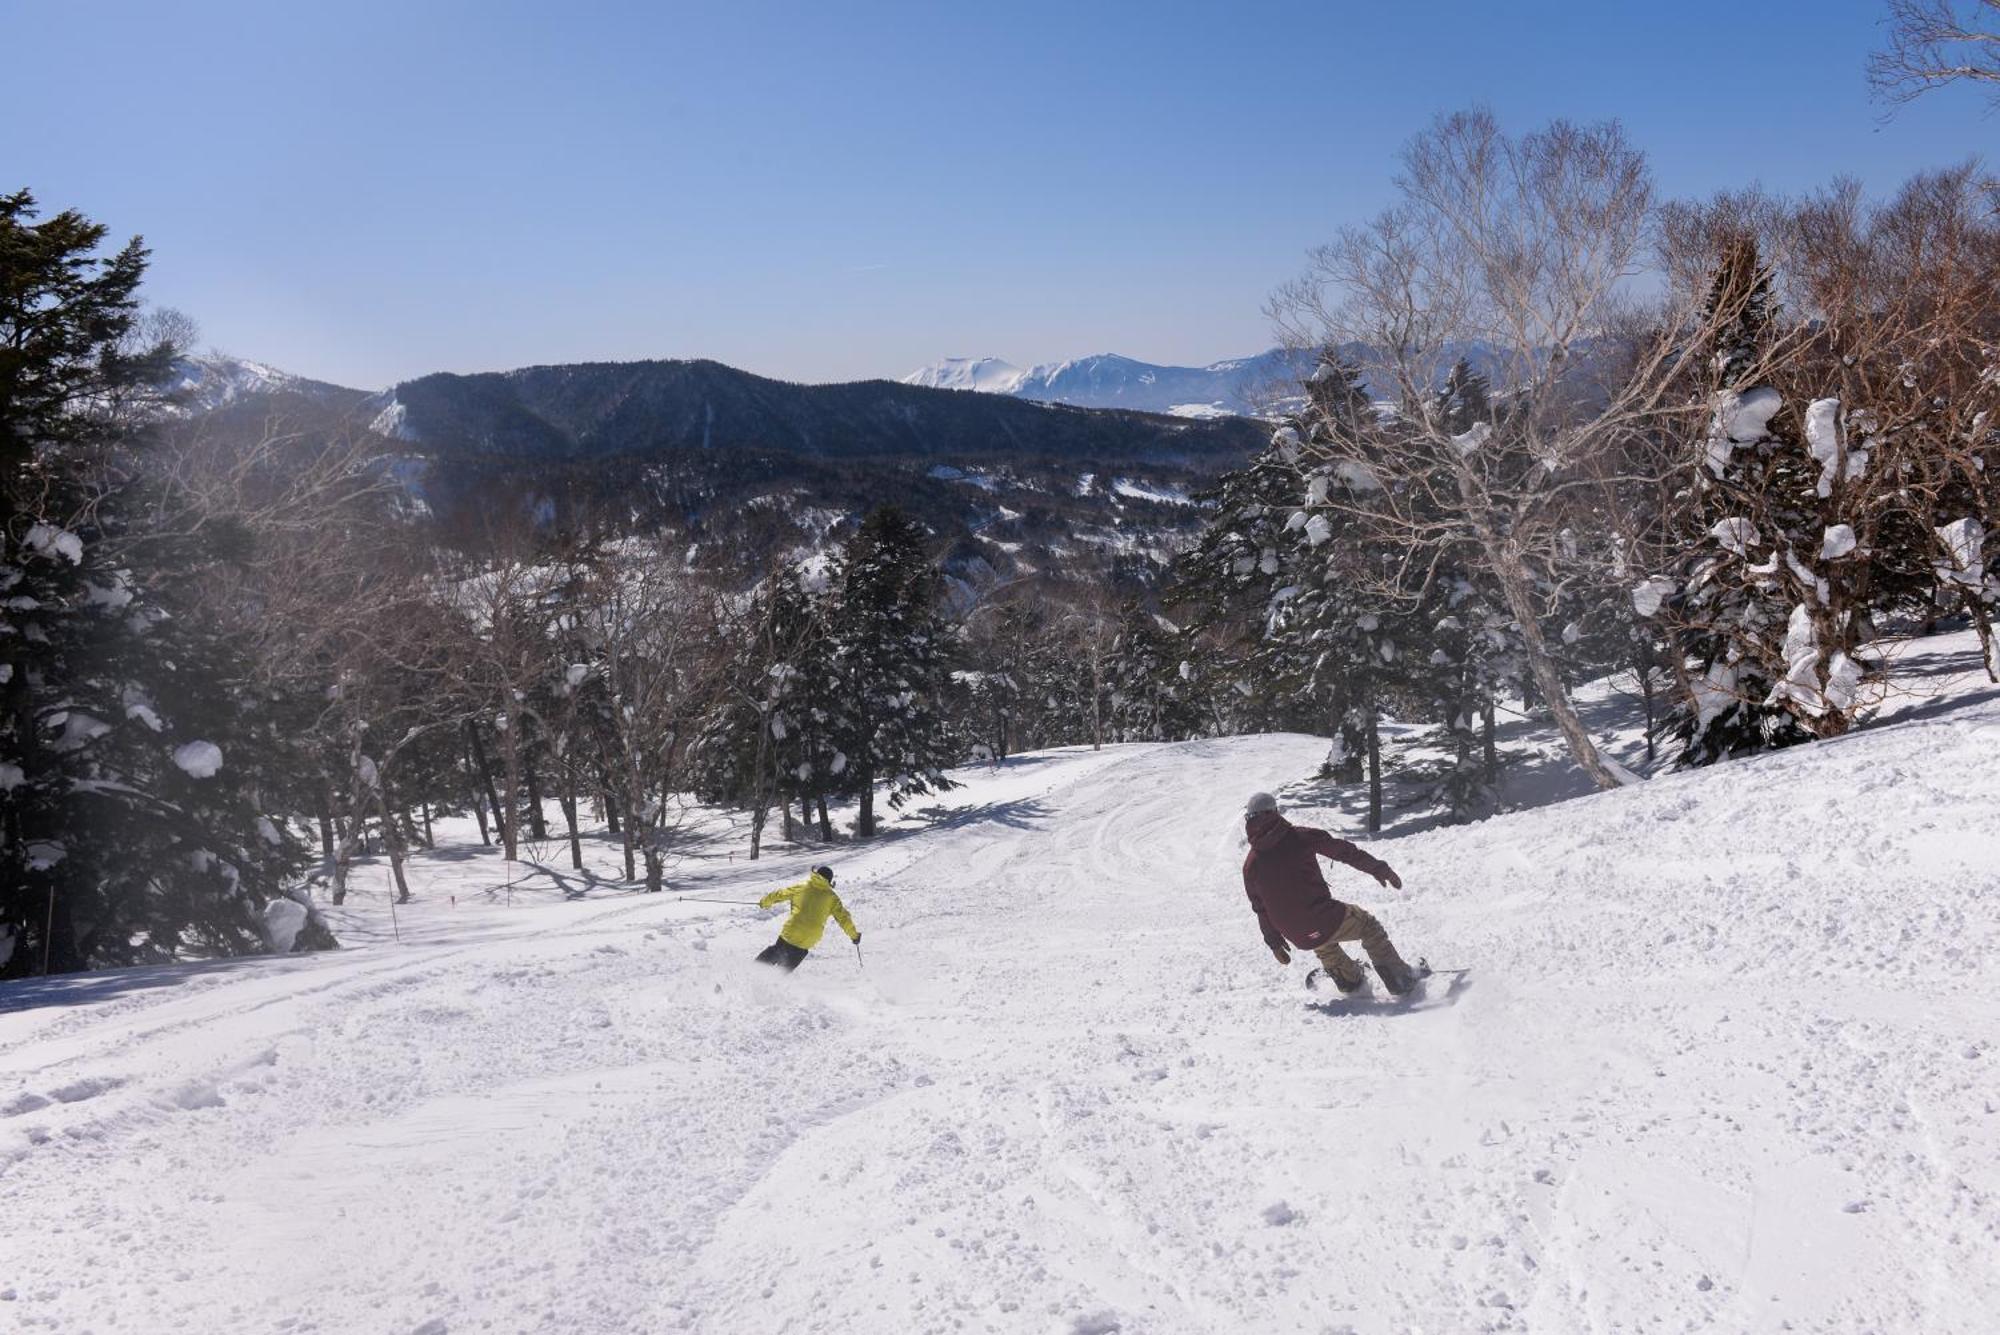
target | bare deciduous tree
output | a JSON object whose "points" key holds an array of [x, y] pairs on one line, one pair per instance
{"points": [[656, 662], [1937, 42], [1514, 252]]}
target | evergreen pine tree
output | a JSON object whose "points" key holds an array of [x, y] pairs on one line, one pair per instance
{"points": [[893, 666], [130, 751], [1155, 694], [1730, 617]]}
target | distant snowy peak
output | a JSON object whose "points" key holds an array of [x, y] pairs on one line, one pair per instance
{"points": [[214, 382], [206, 383], [1238, 385], [987, 375]]}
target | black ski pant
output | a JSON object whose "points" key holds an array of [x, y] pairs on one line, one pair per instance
{"points": [[783, 954]]}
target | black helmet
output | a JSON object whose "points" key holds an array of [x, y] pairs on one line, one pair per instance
{"points": [[825, 871]]}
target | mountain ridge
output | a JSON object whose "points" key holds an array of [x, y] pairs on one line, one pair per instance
{"points": [[746, 466], [1246, 386], [595, 409]]}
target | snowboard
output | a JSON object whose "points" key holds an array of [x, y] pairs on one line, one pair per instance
{"points": [[1419, 992]]}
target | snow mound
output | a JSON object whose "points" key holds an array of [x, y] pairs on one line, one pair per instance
{"points": [[199, 760], [284, 919]]}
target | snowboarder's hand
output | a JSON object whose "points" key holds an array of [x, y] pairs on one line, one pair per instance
{"points": [[1389, 878], [1283, 956], [857, 938]]}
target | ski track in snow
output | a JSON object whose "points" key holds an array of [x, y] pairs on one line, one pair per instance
{"points": [[1725, 1061]]}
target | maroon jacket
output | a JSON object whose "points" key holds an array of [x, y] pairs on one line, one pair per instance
{"points": [[1283, 880]]}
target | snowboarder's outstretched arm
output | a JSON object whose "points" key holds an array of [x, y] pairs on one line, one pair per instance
{"points": [[846, 923], [1349, 855]]}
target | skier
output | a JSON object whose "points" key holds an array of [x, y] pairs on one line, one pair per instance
{"points": [[1282, 877], [812, 900]]}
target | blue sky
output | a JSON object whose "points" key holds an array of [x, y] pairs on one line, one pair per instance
{"points": [[364, 192]]}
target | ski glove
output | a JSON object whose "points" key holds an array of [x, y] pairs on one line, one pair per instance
{"points": [[1389, 878], [1283, 956], [857, 938]]}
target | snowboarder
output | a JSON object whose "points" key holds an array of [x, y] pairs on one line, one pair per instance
{"points": [[1282, 877], [812, 900]]}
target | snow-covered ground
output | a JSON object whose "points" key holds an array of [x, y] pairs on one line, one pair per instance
{"points": [[1728, 1059]]}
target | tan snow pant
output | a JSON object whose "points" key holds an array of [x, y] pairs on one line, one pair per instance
{"points": [[1361, 925]]}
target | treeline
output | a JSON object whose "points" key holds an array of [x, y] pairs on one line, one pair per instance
{"points": [[1730, 491]]}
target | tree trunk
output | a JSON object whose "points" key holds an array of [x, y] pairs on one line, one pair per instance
{"points": [[1646, 694], [1096, 699], [628, 836], [1513, 580], [538, 823], [761, 808], [1492, 743], [478, 805], [392, 838], [655, 869], [352, 828], [486, 778], [1982, 621], [864, 822], [825, 823], [510, 788], [430, 836], [325, 834], [30, 820], [60, 951], [568, 803], [1374, 772]]}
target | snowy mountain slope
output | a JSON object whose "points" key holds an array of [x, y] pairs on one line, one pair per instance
{"points": [[214, 381], [987, 375], [1239, 385], [1725, 1061], [1264, 385]]}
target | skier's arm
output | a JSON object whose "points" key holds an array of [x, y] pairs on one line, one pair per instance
{"points": [[846, 923], [1348, 855], [777, 897]]}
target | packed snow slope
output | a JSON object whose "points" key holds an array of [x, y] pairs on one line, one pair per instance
{"points": [[1726, 1060]]}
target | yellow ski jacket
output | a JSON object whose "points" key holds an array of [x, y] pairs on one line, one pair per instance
{"points": [[812, 900]]}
